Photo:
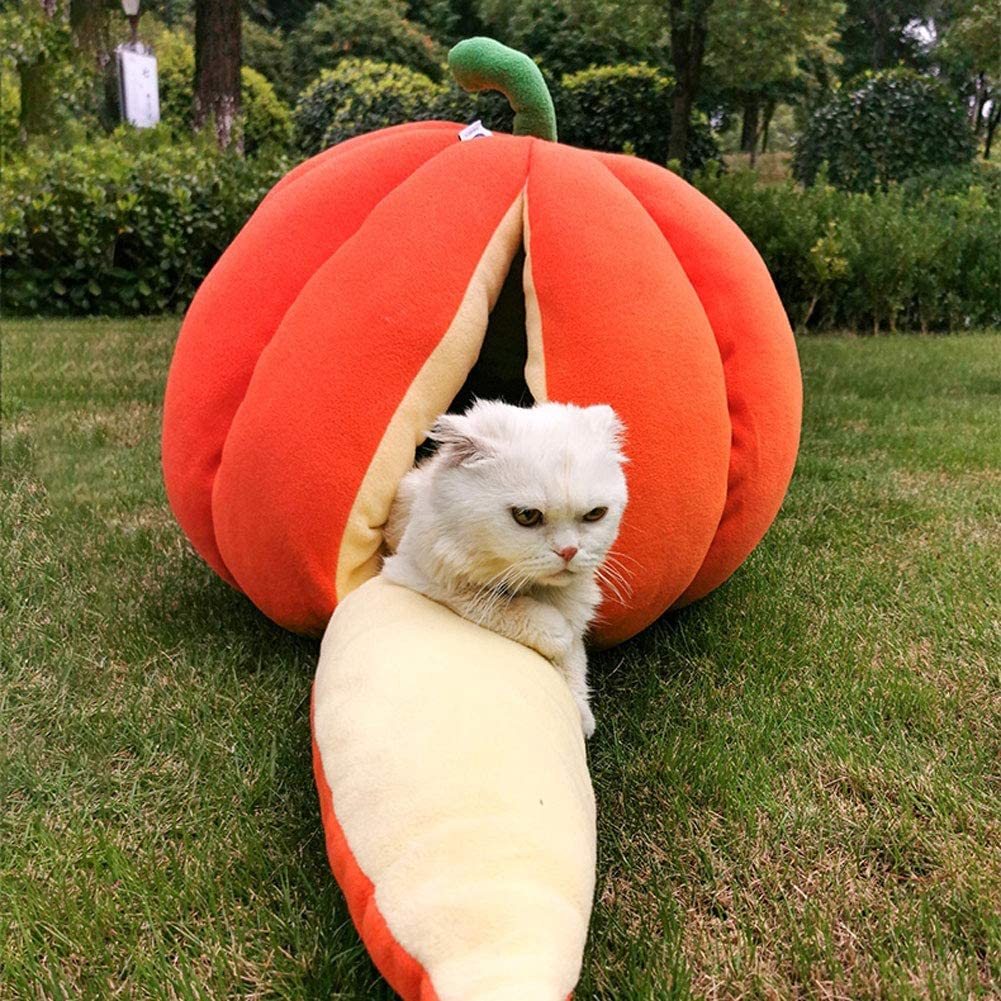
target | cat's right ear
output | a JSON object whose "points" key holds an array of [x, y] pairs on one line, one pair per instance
{"points": [[458, 444]]}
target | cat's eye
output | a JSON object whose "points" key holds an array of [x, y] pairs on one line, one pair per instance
{"points": [[596, 514], [527, 516]]}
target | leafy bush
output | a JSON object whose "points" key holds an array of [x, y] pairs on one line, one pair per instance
{"points": [[10, 112], [266, 51], [126, 224], [902, 257], [612, 107], [889, 126], [361, 95], [362, 29], [265, 119], [626, 107]]}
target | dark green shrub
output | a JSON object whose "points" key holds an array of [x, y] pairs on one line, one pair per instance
{"points": [[886, 259], [613, 108], [626, 108], [379, 95], [265, 119], [886, 127], [126, 224], [362, 29], [361, 95]]}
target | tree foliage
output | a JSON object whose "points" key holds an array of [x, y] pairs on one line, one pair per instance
{"points": [[362, 29], [887, 33], [569, 35], [888, 126], [761, 52]]}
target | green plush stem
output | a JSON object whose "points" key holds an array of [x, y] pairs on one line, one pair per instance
{"points": [[485, 64]]}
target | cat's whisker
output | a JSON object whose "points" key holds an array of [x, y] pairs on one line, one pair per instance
{"points": [[614, 567], [619, 589], [611, 569], [619, 559], [611, 573]]}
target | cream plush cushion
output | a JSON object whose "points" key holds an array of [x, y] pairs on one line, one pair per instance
{"points": [[457, 786]]}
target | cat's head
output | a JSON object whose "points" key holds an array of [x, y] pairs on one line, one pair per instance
{"points": [[526, 495]]}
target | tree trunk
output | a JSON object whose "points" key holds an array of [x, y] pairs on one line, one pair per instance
{"points": [[992, 123], [766, 123], [689, 28], [91, 29], [977, 107], [217, 68], [749, 125], [879, 25]]}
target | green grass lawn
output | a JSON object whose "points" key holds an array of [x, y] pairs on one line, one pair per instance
{"points": [[798, 779]]}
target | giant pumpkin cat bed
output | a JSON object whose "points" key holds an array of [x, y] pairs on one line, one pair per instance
{"points": [[378, 285]]}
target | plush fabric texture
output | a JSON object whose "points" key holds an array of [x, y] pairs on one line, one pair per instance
{"points": [[456, 801], [348, 313]]}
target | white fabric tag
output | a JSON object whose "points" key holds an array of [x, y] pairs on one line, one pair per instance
{"points": [[474, 131]]}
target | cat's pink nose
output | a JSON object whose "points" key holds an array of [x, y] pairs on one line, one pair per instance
{"points": [[568, 554]]}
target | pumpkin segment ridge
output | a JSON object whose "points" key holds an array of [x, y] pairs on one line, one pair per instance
{"points": [[241, 303], [756, 348], [357, 335]]}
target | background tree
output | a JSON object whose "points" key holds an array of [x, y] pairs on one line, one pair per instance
{"points": [[217, 68], [689, 21], [970, 53], [34, 39], [565, 36], [885, 33], [90, 25], [759, 51]]}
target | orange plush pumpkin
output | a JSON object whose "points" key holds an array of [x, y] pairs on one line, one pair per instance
{"points": [[353, 306]]}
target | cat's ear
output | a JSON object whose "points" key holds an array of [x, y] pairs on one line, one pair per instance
{"points": [[459, 444], [608, 425]]}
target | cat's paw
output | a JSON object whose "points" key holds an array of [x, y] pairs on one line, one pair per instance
{"points": [[546, 630], [587, 723]]}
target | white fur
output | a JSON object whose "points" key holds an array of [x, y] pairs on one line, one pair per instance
{"points": [[454, 538]]}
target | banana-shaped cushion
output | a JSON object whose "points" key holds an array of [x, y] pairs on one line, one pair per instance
{"points": [[456, 801]]}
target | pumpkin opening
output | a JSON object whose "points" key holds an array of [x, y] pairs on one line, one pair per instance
{"points": [[499, 372]]}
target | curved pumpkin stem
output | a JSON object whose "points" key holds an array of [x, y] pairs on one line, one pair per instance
{"points": [[485, 64]]}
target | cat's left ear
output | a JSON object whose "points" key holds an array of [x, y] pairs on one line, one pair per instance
{"points": [[459, 444], [609, 426]]}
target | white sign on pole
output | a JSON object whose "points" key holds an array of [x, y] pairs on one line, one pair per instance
{"points": [[138, 87]]}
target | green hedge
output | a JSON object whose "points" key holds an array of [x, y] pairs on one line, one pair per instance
{"points": [[884, 127], [122, 225], [912, 256], [131, 224], [626, 107]]}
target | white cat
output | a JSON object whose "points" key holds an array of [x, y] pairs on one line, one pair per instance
{"points": [[510, 522]]}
